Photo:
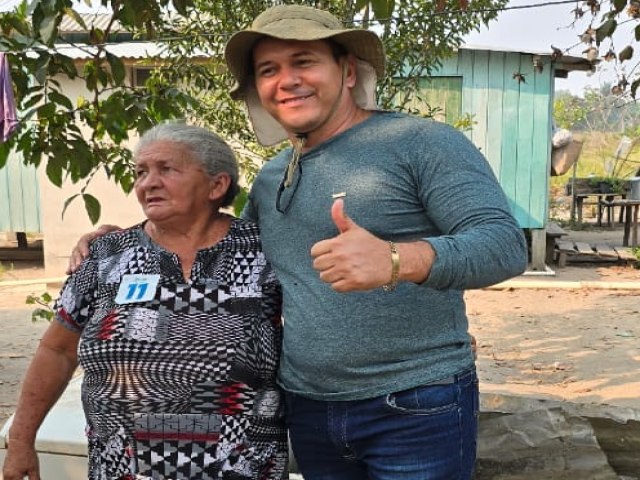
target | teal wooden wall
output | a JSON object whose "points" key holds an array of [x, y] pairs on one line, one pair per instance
{"points": [[19, 197], [512, 123]]}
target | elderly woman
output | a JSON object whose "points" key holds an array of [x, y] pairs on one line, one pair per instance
{"points": [[176, 324]]}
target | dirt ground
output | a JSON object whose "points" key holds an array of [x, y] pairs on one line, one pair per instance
{"points": [[572, 344]]}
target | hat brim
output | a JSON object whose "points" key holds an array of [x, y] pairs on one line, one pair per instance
{"points": [[363, 44]]}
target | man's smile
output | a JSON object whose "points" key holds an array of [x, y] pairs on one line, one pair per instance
{"points": [[293, 100]]}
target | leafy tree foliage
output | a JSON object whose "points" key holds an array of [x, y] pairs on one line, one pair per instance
{"points": [[599, 21], [568, 111], [598, 111], [76, 140]]}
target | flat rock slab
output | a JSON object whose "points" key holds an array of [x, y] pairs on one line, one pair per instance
{"points": [[524, 438]]}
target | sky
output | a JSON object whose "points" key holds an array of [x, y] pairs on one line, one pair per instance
{"points": [[538, 28]]}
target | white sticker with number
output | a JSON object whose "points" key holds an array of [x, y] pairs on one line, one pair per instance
{"points": [[137, 288]]}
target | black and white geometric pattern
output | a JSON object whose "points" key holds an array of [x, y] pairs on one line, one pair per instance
{"points": [[181, 386]]}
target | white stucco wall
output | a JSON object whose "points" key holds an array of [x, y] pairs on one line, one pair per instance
{"points": [[61, 234]]}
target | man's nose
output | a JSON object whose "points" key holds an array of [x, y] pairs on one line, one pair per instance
{"points": [[289, 77]]}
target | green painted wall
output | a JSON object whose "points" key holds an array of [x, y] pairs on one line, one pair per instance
{"points": [[511, 123], [19, 197]]}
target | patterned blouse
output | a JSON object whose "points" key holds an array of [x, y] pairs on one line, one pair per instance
{"points": [[179, 377]]}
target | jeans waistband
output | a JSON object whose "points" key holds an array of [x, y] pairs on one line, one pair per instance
{"points": [[454, 378]]}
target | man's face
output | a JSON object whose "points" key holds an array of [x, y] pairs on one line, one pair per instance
{"points": [[299, 82]]}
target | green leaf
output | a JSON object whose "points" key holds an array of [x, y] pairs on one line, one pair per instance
{"points": [[619, 5], [4, 154], [41, 314], [60, 99], [41, 74], [89, 72], [47, 29], [19, 25], [605, 30], [70, 12], [67, 65], [128, 14], [240, 201], [47, 110], [54, 171], [117, 68], [83, 159], [102, 76], [127, 182], [626, 53], [26, 142], [92, 206], [634, 87], [96, 36], [67, 202], [45, 311], [382, 8], [32, 100]]}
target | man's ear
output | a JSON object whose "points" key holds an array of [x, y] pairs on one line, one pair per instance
{"points": [[349, 70], [219, 186]]}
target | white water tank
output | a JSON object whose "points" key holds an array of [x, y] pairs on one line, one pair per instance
{"points": [[634, 192]]}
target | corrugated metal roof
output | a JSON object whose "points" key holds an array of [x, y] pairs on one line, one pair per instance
{"points": [[124, 50], [97, 20], [567, 62]]}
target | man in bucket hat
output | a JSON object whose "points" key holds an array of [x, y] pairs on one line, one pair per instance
{"points": [[377, 363]]}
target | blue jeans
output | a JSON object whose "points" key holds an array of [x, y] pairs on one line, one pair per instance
{"points": [[425, 433]]}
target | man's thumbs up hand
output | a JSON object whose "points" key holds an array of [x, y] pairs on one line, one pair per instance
{"points": [[342, 221], [354, 259]]}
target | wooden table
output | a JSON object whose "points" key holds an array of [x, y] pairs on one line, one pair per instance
{"points": [[630, 219], [602, 200]]}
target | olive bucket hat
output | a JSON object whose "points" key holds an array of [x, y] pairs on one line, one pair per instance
{"points": [[300, 23]]}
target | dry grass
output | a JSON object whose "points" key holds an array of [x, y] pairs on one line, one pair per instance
{"points": [[597, 159]]}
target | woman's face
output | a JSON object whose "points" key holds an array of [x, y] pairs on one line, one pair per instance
{"points": [[170, 184]]}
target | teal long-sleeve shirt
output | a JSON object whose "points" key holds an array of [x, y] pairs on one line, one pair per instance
{"points": [[405, 179]]}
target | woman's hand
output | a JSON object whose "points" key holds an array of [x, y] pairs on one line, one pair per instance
{"points": [[21, 461], [47, 376]]}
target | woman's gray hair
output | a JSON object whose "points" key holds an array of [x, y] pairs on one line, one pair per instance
{"points": [[208, 148]]}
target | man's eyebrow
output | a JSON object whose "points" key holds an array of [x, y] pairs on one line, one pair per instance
{"points": [[261, 64], [303, 52], [299, 53]]}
